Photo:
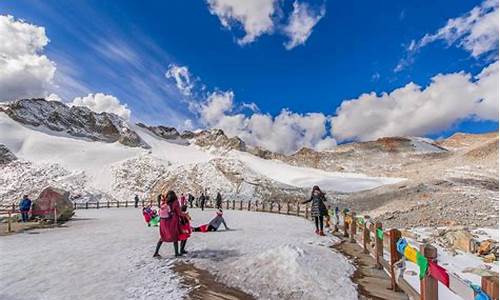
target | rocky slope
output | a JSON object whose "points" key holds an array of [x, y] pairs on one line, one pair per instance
{"points": [[76, 121], [231, 177]]}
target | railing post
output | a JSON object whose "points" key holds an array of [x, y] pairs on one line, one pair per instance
{"points": [[489, 284], [233, 204], [298, 208], [307, 212], [118, 204], [366, 236], [55, 215], [13, 207], [241, 204], [227, 204], [354, 225], [87, 205], [379, 246], [394, 236], [97, 205], [9, 225], [263, 205], [287, 208], [279, 207], [108, 204], [126, 203], [249, 205], [142, 202], [74, 205], [256, 205], [271, 206], [429, 285]]}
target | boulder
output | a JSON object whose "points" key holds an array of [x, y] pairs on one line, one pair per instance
{"points": [[51, 198], [459, 240]]}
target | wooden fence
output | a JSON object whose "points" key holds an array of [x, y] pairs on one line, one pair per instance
{"points": [[379, 243]]}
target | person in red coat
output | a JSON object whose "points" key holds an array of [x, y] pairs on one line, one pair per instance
{"points": [[170, 213], [185, 228]]}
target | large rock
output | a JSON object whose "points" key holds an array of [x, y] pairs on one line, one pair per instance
{"points": [[51, 198]]}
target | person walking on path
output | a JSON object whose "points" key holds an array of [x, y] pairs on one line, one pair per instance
{"points": [[318, 208], [136, 201], [170, 213], [213, 225], [202, 201], [218, 201], [25, 207]]}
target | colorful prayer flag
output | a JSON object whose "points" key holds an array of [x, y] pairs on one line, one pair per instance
{"points": [[439, 273]]}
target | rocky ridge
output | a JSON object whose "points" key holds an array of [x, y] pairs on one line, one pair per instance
{"points": [[75, 121]]}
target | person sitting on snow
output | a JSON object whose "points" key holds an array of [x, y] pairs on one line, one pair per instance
{"points": [[213, 225]]}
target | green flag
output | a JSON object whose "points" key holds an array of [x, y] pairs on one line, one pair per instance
{"points": [[423, 265], [380, 234]]}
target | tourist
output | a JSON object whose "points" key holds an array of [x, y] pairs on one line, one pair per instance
{"points": [[25, 207], [202, 201], [183, 200], [190, 200], [136, 201], [169, 223], [318, 208], [218, 201], [213, 225]]}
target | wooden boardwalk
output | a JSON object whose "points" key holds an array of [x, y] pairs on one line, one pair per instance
{"points": [[372, 283]]}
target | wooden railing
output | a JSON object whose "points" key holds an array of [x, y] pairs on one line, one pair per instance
{"points": [[365, 233]]}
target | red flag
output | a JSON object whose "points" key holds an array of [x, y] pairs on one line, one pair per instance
{"points": [[439, 273]]}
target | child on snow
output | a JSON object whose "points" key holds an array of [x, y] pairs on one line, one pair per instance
{"points": [[213, 225]]}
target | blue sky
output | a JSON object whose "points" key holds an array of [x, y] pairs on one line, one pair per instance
{"points": [[124, 48]]}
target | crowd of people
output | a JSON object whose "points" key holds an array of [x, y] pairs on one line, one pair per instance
{"points": [[175, 221]]}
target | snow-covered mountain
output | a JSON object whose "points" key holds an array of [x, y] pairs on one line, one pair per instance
{"points": [[100, 156]]}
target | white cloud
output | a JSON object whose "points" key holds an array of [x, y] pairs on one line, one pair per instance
{"points": [[53, 97], [415, 111], [182, 78], [285, 133], [258, 17], [301, 23], [24, 71], [254, 16], [476, 32], [103, 103]]}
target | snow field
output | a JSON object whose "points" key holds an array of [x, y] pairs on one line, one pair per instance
{"points": [[107, 254]]}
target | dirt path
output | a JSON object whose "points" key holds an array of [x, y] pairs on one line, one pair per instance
{"points": [[372, 283], [204, 285]]}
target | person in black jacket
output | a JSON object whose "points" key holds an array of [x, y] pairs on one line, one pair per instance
{"points": [[318, 208], [202, 201], [218, 201]]}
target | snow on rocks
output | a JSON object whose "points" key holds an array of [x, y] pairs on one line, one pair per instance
{"points": [[22, 177], [136, 175]]}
